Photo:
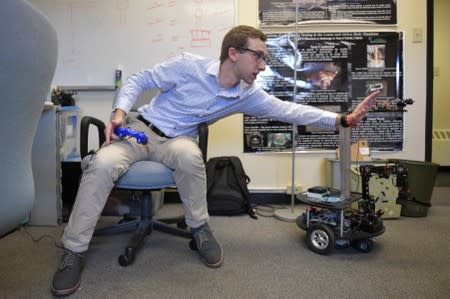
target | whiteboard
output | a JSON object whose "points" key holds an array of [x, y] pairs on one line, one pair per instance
{"points": [[96, 37]]}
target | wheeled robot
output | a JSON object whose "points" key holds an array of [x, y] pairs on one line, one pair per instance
{"points": [[330, 225], [333, 221]]}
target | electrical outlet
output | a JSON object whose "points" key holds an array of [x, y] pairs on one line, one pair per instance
{"points": [[436, 71], [417, 35], [298, 190]]}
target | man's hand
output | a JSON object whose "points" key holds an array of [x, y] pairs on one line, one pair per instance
{"points": [[361, 110], [116, 121]]}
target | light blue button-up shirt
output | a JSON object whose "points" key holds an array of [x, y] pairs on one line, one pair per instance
{"points": [[189, 94]]}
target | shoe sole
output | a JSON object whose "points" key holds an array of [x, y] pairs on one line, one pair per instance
{"points": [[65, 292], [215, 265]]}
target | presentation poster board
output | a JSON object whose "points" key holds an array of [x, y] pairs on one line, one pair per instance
{"points": [[333, 71], [282, 12], [97, 37]]}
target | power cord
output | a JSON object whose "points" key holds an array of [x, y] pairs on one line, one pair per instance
{"points": [[38, 239], [268, 210]]}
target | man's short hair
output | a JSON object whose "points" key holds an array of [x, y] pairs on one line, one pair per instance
{"points": [[237, 37]]}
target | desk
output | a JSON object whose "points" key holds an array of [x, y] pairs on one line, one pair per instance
{"points": [[46, 170], [55, 142]]}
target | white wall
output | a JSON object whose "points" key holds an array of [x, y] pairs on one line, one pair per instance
{"points": [[441, 104], [441, 64], [273, 171]]}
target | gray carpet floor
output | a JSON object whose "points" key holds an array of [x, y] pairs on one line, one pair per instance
{"points": [[264, 258]]}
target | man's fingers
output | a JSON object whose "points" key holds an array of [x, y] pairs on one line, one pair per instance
{"points": [[368, 102], [107, 135], [372, 97]]}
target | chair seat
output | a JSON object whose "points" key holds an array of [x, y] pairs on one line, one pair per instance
{"points": [[146, 175]]}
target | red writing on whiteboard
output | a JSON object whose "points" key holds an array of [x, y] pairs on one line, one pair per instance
{"points": [[158, 38], [155, 5], [155, 22], [200, 38]]}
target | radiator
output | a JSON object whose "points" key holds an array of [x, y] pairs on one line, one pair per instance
{"points": [[441, 147]]}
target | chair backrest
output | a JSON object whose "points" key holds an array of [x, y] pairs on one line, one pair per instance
{"points": [[203, 133], [28, 55]]}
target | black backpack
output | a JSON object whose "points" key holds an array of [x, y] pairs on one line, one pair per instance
{"points": [[227, 192]]}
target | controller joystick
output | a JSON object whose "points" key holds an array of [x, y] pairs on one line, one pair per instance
{"points": [[140, 137]]}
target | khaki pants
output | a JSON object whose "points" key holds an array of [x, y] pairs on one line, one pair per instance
{"points": [[102, 170]]}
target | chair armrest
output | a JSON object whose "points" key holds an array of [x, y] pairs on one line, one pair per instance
{"points": [[203, 132], [86, 121]]}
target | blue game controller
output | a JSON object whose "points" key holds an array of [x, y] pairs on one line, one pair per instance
{"points": [[140, 137]]}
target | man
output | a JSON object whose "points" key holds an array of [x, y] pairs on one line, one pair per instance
{"points": [[192, 89]]}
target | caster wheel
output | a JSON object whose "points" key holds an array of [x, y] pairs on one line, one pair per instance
{"points": [[182, 224], [342, 244], [320, 239], [364, 245], [127, 258], [192, 244], [124, 260]]}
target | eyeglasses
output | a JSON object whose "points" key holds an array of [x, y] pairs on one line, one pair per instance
{"points": [[258, 54]]}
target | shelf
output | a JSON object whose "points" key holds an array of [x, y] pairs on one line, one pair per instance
{"points": [[88, 87]]}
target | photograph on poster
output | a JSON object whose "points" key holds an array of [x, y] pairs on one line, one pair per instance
{"points": [[283, 12], [279, 140], [334, 71], [266, 135], [321, 75], [375, 56]]}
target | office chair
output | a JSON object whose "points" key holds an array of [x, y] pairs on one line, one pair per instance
{"points": [[141, 179], [28, 56]]}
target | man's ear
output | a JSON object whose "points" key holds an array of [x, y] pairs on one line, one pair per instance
{"points": [[232, 54]]}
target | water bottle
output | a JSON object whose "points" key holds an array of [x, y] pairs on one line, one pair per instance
{"points": [[118, 77]]}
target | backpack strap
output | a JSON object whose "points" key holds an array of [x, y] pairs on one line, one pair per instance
{"points": [[243, 180], [210, 173]]}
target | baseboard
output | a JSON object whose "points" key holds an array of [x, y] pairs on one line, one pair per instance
{"points": [[263, 198], [256, 198], [444, 168]]}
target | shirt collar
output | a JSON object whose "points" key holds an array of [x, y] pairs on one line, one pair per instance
{"points": [[231, 93], [213, 69]]}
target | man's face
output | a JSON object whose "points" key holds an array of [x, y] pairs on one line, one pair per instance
{"points": [[251, 60]]}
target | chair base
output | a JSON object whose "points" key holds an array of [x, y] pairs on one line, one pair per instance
{"points": [[143, 227]]}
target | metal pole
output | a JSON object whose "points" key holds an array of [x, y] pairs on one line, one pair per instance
{"points": [[345, 140], [291, 214], [294, 128]]}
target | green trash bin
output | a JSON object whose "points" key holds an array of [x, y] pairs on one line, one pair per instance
{"points": [[421, 177]]}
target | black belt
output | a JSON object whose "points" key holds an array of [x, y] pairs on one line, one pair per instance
{"points": [[152, 127]]}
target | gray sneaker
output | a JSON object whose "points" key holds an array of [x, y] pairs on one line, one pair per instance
{"points": [[210, 251], [68, 275]]}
